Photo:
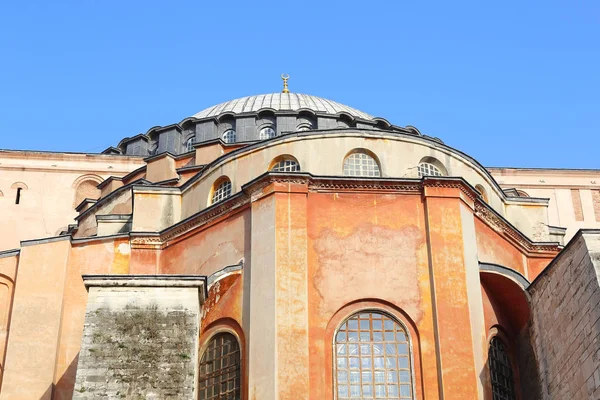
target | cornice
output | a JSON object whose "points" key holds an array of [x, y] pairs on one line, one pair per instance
{"points": [[504, 228], [254, 190]]}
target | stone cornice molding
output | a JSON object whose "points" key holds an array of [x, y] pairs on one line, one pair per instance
{"points": [[512, 234], [256, 189]]}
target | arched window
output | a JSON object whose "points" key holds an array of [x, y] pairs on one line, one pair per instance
{"points": [[285, 164], [430, 166], [503, 386], [189, 144], [20, 186], [372, 358], [360, 163], [86, 189], [267, 133], [482, 192], [220, 364], [221, 190], [427, 169], [303, 128], [229, 136]]}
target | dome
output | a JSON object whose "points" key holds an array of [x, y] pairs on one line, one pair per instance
{"points": [[281, 102]]}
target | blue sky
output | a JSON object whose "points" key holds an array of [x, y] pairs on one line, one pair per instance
{"points": [[513, 83]]}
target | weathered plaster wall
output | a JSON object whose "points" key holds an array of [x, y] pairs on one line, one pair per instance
{"points": [[35, 323], [46, 206], [492, 248], [210, 249], [565, 324], [556, 184], [368, 248], [120, 203]]}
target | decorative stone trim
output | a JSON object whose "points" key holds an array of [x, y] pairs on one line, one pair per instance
{"points": [[503, 227], [253, 190]]}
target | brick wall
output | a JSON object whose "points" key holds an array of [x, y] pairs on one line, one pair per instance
{"points": [[139, 343], [565, 323], [577, 208], [596, 202]]}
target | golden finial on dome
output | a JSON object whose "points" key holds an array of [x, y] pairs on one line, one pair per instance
{"points": [[285, 78]]}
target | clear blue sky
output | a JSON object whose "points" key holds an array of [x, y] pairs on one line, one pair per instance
{"points": [[515, 83]]}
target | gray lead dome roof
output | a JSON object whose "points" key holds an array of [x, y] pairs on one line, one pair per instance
{"points": [[281, 101]]}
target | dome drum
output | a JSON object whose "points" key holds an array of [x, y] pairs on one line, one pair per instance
{"points": [[243, 120]]}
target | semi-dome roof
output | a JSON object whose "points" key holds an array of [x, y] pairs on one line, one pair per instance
{"points": [[281, 101]]}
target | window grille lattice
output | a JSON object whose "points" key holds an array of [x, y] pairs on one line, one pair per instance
{"points": [[229, 136], [503, 387], [286, 166], [427, 169], [372, 358], [220, 369], [222, 191], [267, 133], [361, 164], [189, 144]]}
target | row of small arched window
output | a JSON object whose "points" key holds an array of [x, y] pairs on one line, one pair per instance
{"points": [[229, 136], [372, 360], [359, 163]]}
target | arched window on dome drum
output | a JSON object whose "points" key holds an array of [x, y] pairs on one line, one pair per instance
{"points": [[372, 358], [189, 144], [229, 136], [267, 133], [220, 369], [221, 190], [359, 163], [503, 386], [428, 169], [286, 164]]}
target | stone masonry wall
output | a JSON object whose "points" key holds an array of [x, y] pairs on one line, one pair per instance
{"points": [[565, 323], [139, 343]]}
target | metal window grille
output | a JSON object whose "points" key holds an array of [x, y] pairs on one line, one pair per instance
{"points": [[427, 169], [220, 369], [229, 136], [286, 166], [372, 356], [361, 164], [222, 191], [267, 133], [189, 145], [503, 387]]}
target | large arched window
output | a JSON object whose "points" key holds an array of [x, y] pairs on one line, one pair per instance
{"points": [[361, 163], [503, 386], [285, 164], [220, 369], [372, 358], [221, 190]]}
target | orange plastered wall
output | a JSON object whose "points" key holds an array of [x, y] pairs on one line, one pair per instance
{"points": [[492, 248], [222, 244], [108, 257], [371, 248]]}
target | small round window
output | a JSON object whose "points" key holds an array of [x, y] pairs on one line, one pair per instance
{"points": [[267, 133], [229, 136]]}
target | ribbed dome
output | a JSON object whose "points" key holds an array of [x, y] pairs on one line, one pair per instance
{"points": [[281, 101]]}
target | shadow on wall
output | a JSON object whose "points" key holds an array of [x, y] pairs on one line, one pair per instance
{"points": [[63, 390]]}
